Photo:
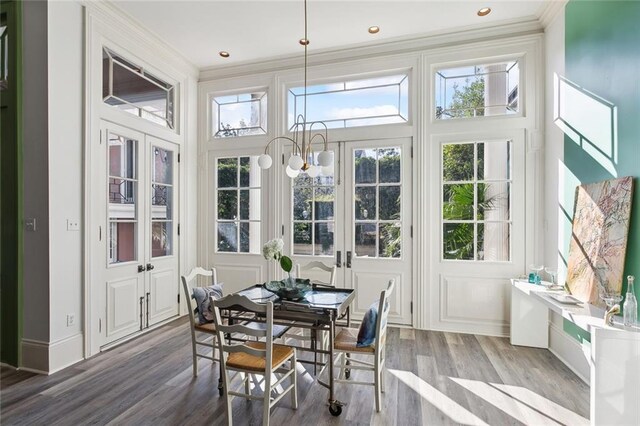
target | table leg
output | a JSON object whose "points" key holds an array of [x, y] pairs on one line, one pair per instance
{"points": [[335, 406]]}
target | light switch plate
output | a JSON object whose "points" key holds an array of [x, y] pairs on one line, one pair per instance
{"points": [[73, 225]]}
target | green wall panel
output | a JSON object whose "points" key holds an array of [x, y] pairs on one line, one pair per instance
{"points": [[602, 58]]}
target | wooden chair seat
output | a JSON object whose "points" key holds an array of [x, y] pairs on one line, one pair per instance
{"points": [[347, 339], [208, 327], [250, 362]]}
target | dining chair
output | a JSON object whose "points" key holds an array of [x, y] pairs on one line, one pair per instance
{"points": [[346, 344], [196, 328], [262, 358], [315, 266], [312, 336]]}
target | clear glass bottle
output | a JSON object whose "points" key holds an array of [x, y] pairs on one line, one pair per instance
{"points": [[630, 306]]}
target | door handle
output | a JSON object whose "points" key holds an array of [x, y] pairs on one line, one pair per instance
{"points": [[348, 259], [338, 259], [141, 301], [148, 308], [141, 268], [150, 266]]}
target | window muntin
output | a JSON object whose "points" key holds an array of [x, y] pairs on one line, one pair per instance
{"points": [[122, 193], [477, 90], [377, 202], [476, 201], [132, 89], [238, 204], [313, 212], [353, 103], [243, 114]]}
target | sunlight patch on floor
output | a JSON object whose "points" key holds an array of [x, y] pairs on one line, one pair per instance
{"points": [[522, 404], [433, 396]]}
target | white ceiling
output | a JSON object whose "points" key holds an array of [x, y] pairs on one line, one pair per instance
{"points": [[255, 30]]}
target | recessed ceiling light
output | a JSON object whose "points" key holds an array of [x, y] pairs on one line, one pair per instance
{"points": [[484, 11], [224, 54], [374, 29], [303, 41]]}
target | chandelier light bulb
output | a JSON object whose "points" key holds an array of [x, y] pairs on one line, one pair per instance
{"points": [[265, 161], [313, 171], [325, 158], [327, 170], [292, 173], [296, 162]]}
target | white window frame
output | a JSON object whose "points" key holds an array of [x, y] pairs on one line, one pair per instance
{"points": [[247, 91]]}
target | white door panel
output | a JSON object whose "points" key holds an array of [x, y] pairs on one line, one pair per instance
{"points": [[123, 301], [163, 300]]}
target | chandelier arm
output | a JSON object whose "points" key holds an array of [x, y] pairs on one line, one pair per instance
{"points": [[324, 140], [326, 133], [280, 137]]}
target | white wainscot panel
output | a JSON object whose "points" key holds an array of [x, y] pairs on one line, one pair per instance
{"points": [[369, 285], [475, 305], [164, 293], [122, 305], [237, 277]]}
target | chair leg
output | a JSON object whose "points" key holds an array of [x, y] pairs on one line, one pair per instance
{"points": [[294, 378], [376, 382], [228, 401], [194, 351], [267, 400], [247, 385], [340, 360], [382, 380]]}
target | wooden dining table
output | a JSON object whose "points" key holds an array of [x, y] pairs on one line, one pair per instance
{"points": [[319, 310]]}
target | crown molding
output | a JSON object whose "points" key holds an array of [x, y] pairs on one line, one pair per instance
{"points": [[369, 50], [109, 12], [550, 10]]}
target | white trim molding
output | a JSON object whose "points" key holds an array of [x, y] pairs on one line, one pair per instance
{"points": [[48, 357]]}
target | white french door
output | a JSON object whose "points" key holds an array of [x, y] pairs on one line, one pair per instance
{"points": [[138, 257], [360, 219]]}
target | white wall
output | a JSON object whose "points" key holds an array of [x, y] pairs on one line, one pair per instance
{"points": [[560, 343], [65, 53], [35, 313]]}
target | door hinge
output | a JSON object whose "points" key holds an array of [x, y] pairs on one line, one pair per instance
{"points": [[411, 152], [99, 325], [100, 140], [411, 231], [282, 230], [178, 230], [411, 307], [178, 298], [283, 159], [99, 233], [178, 157]]}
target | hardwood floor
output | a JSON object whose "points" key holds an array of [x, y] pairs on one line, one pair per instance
{"points": [[432, 378]]}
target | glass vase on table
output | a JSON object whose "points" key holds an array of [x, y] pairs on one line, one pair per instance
{"points": [[630, 306], [612, 300]]}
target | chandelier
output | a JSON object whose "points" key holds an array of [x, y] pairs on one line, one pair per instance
{"points": [[303, 157]]}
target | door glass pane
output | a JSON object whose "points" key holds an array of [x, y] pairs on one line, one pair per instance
{"points": [[302, 238], [302, 200], [390, 240], [324, 201], [458, 201], [227, 236], [457, 162], [365, 203], [458, 241], [228, 204], [122, 198], [227, 172], [389, 203], [389, 165], [162, 171], [323, 238], [494, 241], [365, 240], [365, 165]]}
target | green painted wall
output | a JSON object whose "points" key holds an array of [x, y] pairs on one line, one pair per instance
{"points": [[11, 252], [602, 56]]}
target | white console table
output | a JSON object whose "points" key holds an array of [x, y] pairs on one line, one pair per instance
{"points": [[615, 351]]}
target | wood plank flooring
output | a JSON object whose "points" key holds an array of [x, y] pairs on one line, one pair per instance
{"points": [[432, 378]]}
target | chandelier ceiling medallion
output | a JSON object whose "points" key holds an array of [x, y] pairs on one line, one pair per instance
{"points": [[303, 158]]}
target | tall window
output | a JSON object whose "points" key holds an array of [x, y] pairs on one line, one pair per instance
{"points": [[377, 202], [239, 115], [238, 199], [314, 206], [476, 201], [132, 89], [477, 90], [352, 103], [122, 195]]}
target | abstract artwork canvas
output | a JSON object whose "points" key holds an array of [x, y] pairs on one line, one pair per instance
{"points": [[599, 238]]}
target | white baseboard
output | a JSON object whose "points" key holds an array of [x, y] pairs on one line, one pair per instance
{"points": [[35, 356], [570, 352], [48, 357], [66, 352], [471, 328]]}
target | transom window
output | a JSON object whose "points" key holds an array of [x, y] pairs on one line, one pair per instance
{"points": [[314, 206], [476, 201], [238, 198], [353, 103], [239, 115], [132, 89], [377, 202], [477, 90]]}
